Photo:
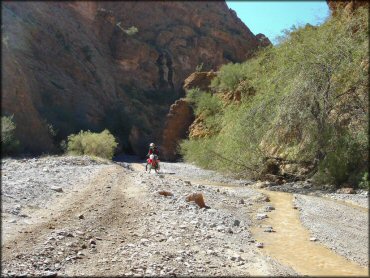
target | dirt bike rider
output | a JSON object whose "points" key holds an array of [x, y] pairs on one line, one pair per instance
{"points": [[153, 154], [153, 150]]}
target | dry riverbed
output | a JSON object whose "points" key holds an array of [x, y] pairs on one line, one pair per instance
{"points": [[78, 216]]}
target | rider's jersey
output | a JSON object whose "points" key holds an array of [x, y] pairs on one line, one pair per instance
{"points": [[153, 151]]}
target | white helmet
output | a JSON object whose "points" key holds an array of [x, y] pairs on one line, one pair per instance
{"points": [[151, 145], [151, 156]]}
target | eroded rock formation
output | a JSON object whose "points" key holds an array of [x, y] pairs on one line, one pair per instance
{"points": [[346, 6], [116, 65], [201, 80], [180, 122], [176, 128]]}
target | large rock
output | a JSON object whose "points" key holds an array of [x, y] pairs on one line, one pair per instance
{"points": [[76, 65], [176, 128], [197, 198], [201, 80]]}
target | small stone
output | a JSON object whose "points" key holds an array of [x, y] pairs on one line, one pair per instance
{"points": [[241, 202], [92, 242], [269, 208], [165, 193], [219, 228], [80, 233], [313, 239], [236, 222], [81, 216], [259, 245], [56, 188], [261, 216], [13, 221]]}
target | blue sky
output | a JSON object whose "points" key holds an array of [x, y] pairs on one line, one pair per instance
{"points": [[271, 17]]}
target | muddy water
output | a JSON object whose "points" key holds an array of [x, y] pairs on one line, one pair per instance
{"points": [[290, 243]]}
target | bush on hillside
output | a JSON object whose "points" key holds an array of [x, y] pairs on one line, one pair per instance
{"points": [[96, 144], [9, 143]]}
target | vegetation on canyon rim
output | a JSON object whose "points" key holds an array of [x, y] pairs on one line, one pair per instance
{"points": [[304, 100]]}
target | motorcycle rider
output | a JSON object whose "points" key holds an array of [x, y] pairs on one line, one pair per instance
{"points": [[153, 154], [153, 150]]}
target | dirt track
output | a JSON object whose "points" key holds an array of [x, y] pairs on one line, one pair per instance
{"points": [[116, 223]]}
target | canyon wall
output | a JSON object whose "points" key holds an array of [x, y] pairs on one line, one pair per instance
{"points": [[69, 66]]}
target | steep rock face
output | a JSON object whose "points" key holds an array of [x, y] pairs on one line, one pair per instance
{"points": [[180, 122], [80, 65], [177, 125], [346, 6]]}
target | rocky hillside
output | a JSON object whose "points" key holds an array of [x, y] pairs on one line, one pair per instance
{"points": [[69, 66]]}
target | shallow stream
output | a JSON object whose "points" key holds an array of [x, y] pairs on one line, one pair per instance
{"points": [[291, 244]]}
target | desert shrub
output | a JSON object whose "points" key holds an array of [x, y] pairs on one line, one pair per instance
{"points": [[208, 105], [364, 183], [131, 31], [229, 77], [9, 143], [199, 67], [342, 159], [96, 144], [192, 96]]}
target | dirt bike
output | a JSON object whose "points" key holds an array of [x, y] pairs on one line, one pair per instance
{"points": [[152, 163]]}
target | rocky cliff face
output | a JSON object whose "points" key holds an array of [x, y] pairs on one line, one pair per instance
{"points": [[115, 65], [347, 6], [180, 122]]}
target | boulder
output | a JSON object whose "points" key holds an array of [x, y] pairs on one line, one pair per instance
{"points": [[197, 198]]}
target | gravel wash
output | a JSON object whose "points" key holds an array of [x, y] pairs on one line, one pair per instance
{"points": [[111, 221], [340, 227], [78, 216]]}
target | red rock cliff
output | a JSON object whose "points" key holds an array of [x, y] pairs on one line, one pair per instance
{"points": [[116, 65]]}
